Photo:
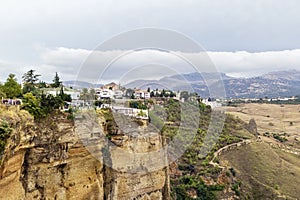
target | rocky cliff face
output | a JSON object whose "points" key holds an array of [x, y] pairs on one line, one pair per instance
{"points": [[49, 160], [252, 127]]}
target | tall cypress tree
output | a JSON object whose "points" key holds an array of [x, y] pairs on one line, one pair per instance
{"points": [[56, 81]]}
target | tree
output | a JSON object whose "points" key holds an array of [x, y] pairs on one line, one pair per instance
{"points": [[85, 90], [132, 96], [5, 132], [129, 92], [172, 94], [2, 93], [49, 103], [92, 94], [151, 94], [184, 95], [148, 90], [84, 95], [163, 93], [30, 80], [63, 96], [42, 84], [32, 105], [11, 88], [56, 81]]}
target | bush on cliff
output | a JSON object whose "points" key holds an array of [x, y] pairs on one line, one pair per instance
{"points": [[5, 132], [41, 107], [32, 105]]}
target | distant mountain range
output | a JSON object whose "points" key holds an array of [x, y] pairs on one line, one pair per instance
{"points": [[80, 84], [273, 84]]}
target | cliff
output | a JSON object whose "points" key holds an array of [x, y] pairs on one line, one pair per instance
{"points": [[57, 159]]}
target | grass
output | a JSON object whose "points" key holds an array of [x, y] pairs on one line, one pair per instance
{"points": [[265, 171], [270, 117]]}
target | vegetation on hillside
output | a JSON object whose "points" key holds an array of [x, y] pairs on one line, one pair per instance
{"points": [[176, 120], [193, 165]]}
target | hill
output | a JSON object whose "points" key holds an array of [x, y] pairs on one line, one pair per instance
{"points": [[239, 166], [265, 172]]}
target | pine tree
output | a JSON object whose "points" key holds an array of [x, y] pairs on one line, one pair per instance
{"points": [[30, 80]]}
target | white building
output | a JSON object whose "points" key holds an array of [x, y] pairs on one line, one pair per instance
{"points": [[118, 94], [141, 94], [105, 94], [75, 95], [212, 104], [132, 112]]}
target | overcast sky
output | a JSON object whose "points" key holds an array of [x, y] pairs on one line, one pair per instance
{"points": [[242, 37]]}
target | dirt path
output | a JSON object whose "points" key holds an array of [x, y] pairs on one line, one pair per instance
{"points": [[225, 148]]}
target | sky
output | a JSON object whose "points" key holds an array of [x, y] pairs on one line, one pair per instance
{"points": [[242, 38]]}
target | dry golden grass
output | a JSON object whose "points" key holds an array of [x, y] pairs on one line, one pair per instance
{"points": [[265, 172], [13, 115], [270, 117]]}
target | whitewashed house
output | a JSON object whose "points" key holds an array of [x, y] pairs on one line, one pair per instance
{"points": [[118, 94], [105, 94], [141, 94], [132, 112]]}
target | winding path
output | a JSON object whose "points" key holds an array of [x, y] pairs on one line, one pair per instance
{"points": [[225, 148]]}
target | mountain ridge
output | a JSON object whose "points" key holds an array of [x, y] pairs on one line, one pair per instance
{"points": [[272, 84]]}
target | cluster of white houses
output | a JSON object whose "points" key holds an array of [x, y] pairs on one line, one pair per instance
{"points": [[266, 99], [113, 91], [131, 112]]}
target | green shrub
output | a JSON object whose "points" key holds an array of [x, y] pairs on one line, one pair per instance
{"points": [[32, 105], [5, 132], [232, 170], [235, 187], [279, 138], [137, 104], [41, 107], [186, 183]]}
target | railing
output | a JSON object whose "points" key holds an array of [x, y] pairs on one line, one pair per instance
{"points": [[12, 102]]}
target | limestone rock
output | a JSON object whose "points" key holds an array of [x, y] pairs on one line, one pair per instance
{"points": [[48, 160]]}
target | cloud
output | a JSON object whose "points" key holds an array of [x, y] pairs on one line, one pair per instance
{"points": [[253, 64], [223, 27], [116, 65], [95, 66], [119, 65]]}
